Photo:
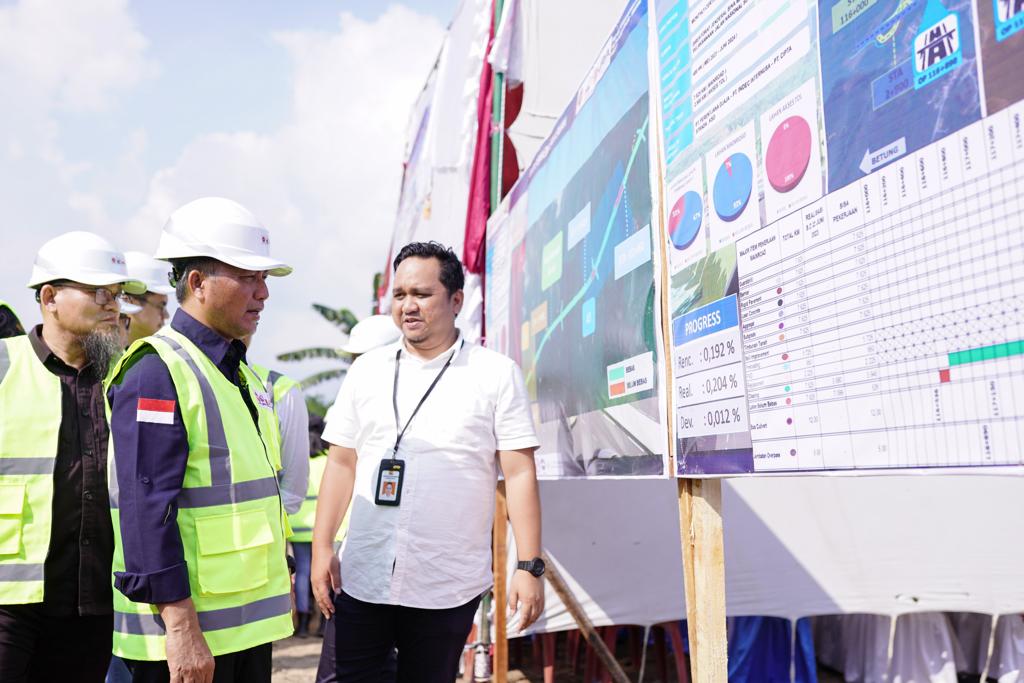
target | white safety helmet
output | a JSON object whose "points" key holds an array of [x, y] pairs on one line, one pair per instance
{"points": [[153, 272], [82, 257], [220, 229], [370, 333]]}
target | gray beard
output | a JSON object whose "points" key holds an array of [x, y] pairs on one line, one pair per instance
{"points": [[101, 348]]}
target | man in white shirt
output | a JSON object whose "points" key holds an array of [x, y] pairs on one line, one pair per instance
{"points": [[417, 433]]}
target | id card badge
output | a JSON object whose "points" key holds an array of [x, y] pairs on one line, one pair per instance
{"points": [[389, 482]]}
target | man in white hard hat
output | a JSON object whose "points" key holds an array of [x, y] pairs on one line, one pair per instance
{"points": [[55, 533], [199, 562], [152, 313]]}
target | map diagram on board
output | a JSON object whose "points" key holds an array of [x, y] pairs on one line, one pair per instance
{"points": [[896, 77], [576, 253]]}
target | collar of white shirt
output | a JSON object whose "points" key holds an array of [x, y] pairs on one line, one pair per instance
{"points": [[437, 361]]}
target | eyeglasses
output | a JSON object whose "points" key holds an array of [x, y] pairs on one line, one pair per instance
{"points": [[101, 295], [146, 301]]}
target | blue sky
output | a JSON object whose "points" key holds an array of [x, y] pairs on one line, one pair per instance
{"points": [[121, 111]]}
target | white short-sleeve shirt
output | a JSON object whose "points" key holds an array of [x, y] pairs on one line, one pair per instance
{"points": [[433, 551]]}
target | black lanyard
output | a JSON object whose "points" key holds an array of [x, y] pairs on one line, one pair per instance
{"points": [[394, 394]]}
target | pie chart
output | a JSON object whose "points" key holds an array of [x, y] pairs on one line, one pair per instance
{"points": [[684, 220], [789, 152], [732, 186]]}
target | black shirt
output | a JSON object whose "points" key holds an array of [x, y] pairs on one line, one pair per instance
{"points": [[77, 577]]}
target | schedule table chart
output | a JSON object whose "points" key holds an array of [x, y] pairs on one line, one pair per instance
{"points": [[883, 326]]}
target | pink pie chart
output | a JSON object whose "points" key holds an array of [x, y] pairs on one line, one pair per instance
{"points": [[789, 152]]}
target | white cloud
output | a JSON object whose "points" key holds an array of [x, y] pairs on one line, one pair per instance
{"points": [[326, 182], [72, 55], [56, 57]]}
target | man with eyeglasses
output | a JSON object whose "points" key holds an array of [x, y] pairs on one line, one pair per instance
{"points": [[152, 313], [55, 533], [202, 584]]}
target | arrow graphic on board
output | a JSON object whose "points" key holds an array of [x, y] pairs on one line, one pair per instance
{"points": [[872, 161]]}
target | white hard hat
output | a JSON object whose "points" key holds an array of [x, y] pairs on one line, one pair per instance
{"points": [[220, 229], [368, 334], [82, 257], [153, 272]]}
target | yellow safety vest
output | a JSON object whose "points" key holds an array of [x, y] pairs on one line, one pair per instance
{"points": [[302, 521], [230, 516], [30, 415]]}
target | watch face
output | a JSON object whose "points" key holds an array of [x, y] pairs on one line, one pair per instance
{"points": [[536, 567]]}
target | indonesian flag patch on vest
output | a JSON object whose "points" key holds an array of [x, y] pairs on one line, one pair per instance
{"points": [[155, 410]]}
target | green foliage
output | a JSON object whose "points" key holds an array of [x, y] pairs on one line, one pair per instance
{"points": [[342, 318], [316, 405], [315, 352], [323, 376]]}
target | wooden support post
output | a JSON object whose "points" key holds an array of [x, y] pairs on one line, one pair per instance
{"points": [[587, 629], [700, 524], [500, 673]]}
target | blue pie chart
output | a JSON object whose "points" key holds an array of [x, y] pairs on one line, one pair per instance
{"points": [[684, 220], [733, 182]]}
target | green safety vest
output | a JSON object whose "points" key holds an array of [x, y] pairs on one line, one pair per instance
{"points": [[230, 516], [30, 415]]}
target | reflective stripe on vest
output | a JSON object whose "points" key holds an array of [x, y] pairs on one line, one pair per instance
{"points": [[30, 415], [229, 513]]}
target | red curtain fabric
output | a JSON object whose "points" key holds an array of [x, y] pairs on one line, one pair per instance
{"points": [[479, 205]]}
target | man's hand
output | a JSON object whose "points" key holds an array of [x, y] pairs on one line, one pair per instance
{"points": [[325, 575], [527, 597], [188, 656]]}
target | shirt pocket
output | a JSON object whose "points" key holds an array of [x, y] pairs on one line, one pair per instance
{"points": [[12, 509], [233, 551]]}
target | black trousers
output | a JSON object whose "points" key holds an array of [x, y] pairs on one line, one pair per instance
{"points": [[361, 636], [246, 666], [39, 647]]}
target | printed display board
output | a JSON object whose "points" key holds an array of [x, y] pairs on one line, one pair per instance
{"points": [[844, 224], [833, 191], [572, 272]]}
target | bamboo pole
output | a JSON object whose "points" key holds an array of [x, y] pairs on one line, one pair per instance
{"points": [[500, 586], [700, 525]]}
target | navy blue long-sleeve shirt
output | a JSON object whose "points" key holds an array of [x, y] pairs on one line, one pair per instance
{"points": [[150, 458]]}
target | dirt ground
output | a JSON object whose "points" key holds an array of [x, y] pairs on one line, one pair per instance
{"points": [[295, 661]]}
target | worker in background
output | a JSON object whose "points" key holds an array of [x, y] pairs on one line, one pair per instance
{"points": [[293, 468], [10, 326], [301, 522], [199, 566], [152, 305], [292, 419], [55, 534], [141, 316]]}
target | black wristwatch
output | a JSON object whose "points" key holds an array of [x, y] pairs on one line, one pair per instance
{"points": [[534, 566]]}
